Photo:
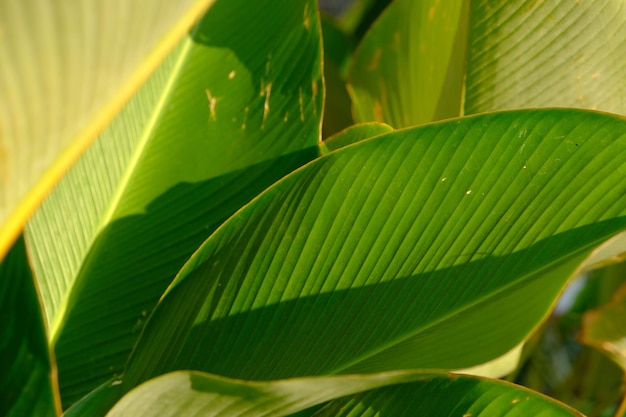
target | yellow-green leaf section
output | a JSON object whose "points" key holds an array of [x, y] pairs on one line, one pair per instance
{"points": [[67, 68], [235, 106], [408, 69]]}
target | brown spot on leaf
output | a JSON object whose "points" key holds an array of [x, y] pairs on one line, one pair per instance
{"points": [[375, 60]]}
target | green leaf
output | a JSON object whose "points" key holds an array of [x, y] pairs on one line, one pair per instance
{"points": [[354, 134], [527, 53], [98, 402], [449, 396], [221, 119], [397, 249], [414, 66], [193, 393], [409, 68], [27, 384], [67, 68]]}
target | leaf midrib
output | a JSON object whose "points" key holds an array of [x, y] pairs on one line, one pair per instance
{"points": [[123, 183]]}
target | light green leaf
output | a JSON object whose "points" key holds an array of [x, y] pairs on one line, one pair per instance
{"points": [[449, 396], [353, 134], [27, 383], [409, 67], [67, 68], [220, 120], [611, 252], [527, 53], [413, 65], [496, 368], [193, 393], [396, 249]]}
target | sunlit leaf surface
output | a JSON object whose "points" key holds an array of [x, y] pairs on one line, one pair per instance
{"points": [[235, 107], [397, 249], [527, 53], [67, 68], [194, 393]]}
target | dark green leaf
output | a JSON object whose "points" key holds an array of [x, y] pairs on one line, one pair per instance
{"points": [[442, 396], [27, 383]]}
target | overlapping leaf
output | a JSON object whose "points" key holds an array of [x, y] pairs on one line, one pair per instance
{"points": [[236, 106], [435, 247], [443, 396], [27, 381], [196, 393], [409, 67], [67, 68], [388, 394], [520, 53], [353, 134]]}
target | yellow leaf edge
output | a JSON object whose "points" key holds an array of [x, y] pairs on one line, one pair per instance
{"points": [[12, 228]]}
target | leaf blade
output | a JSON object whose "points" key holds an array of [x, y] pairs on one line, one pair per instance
{"points": [[409, 68], [515, 48], [41, 133], [194, 393], [462, 396], [28, 380], [394, 231], [206, 134]]}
